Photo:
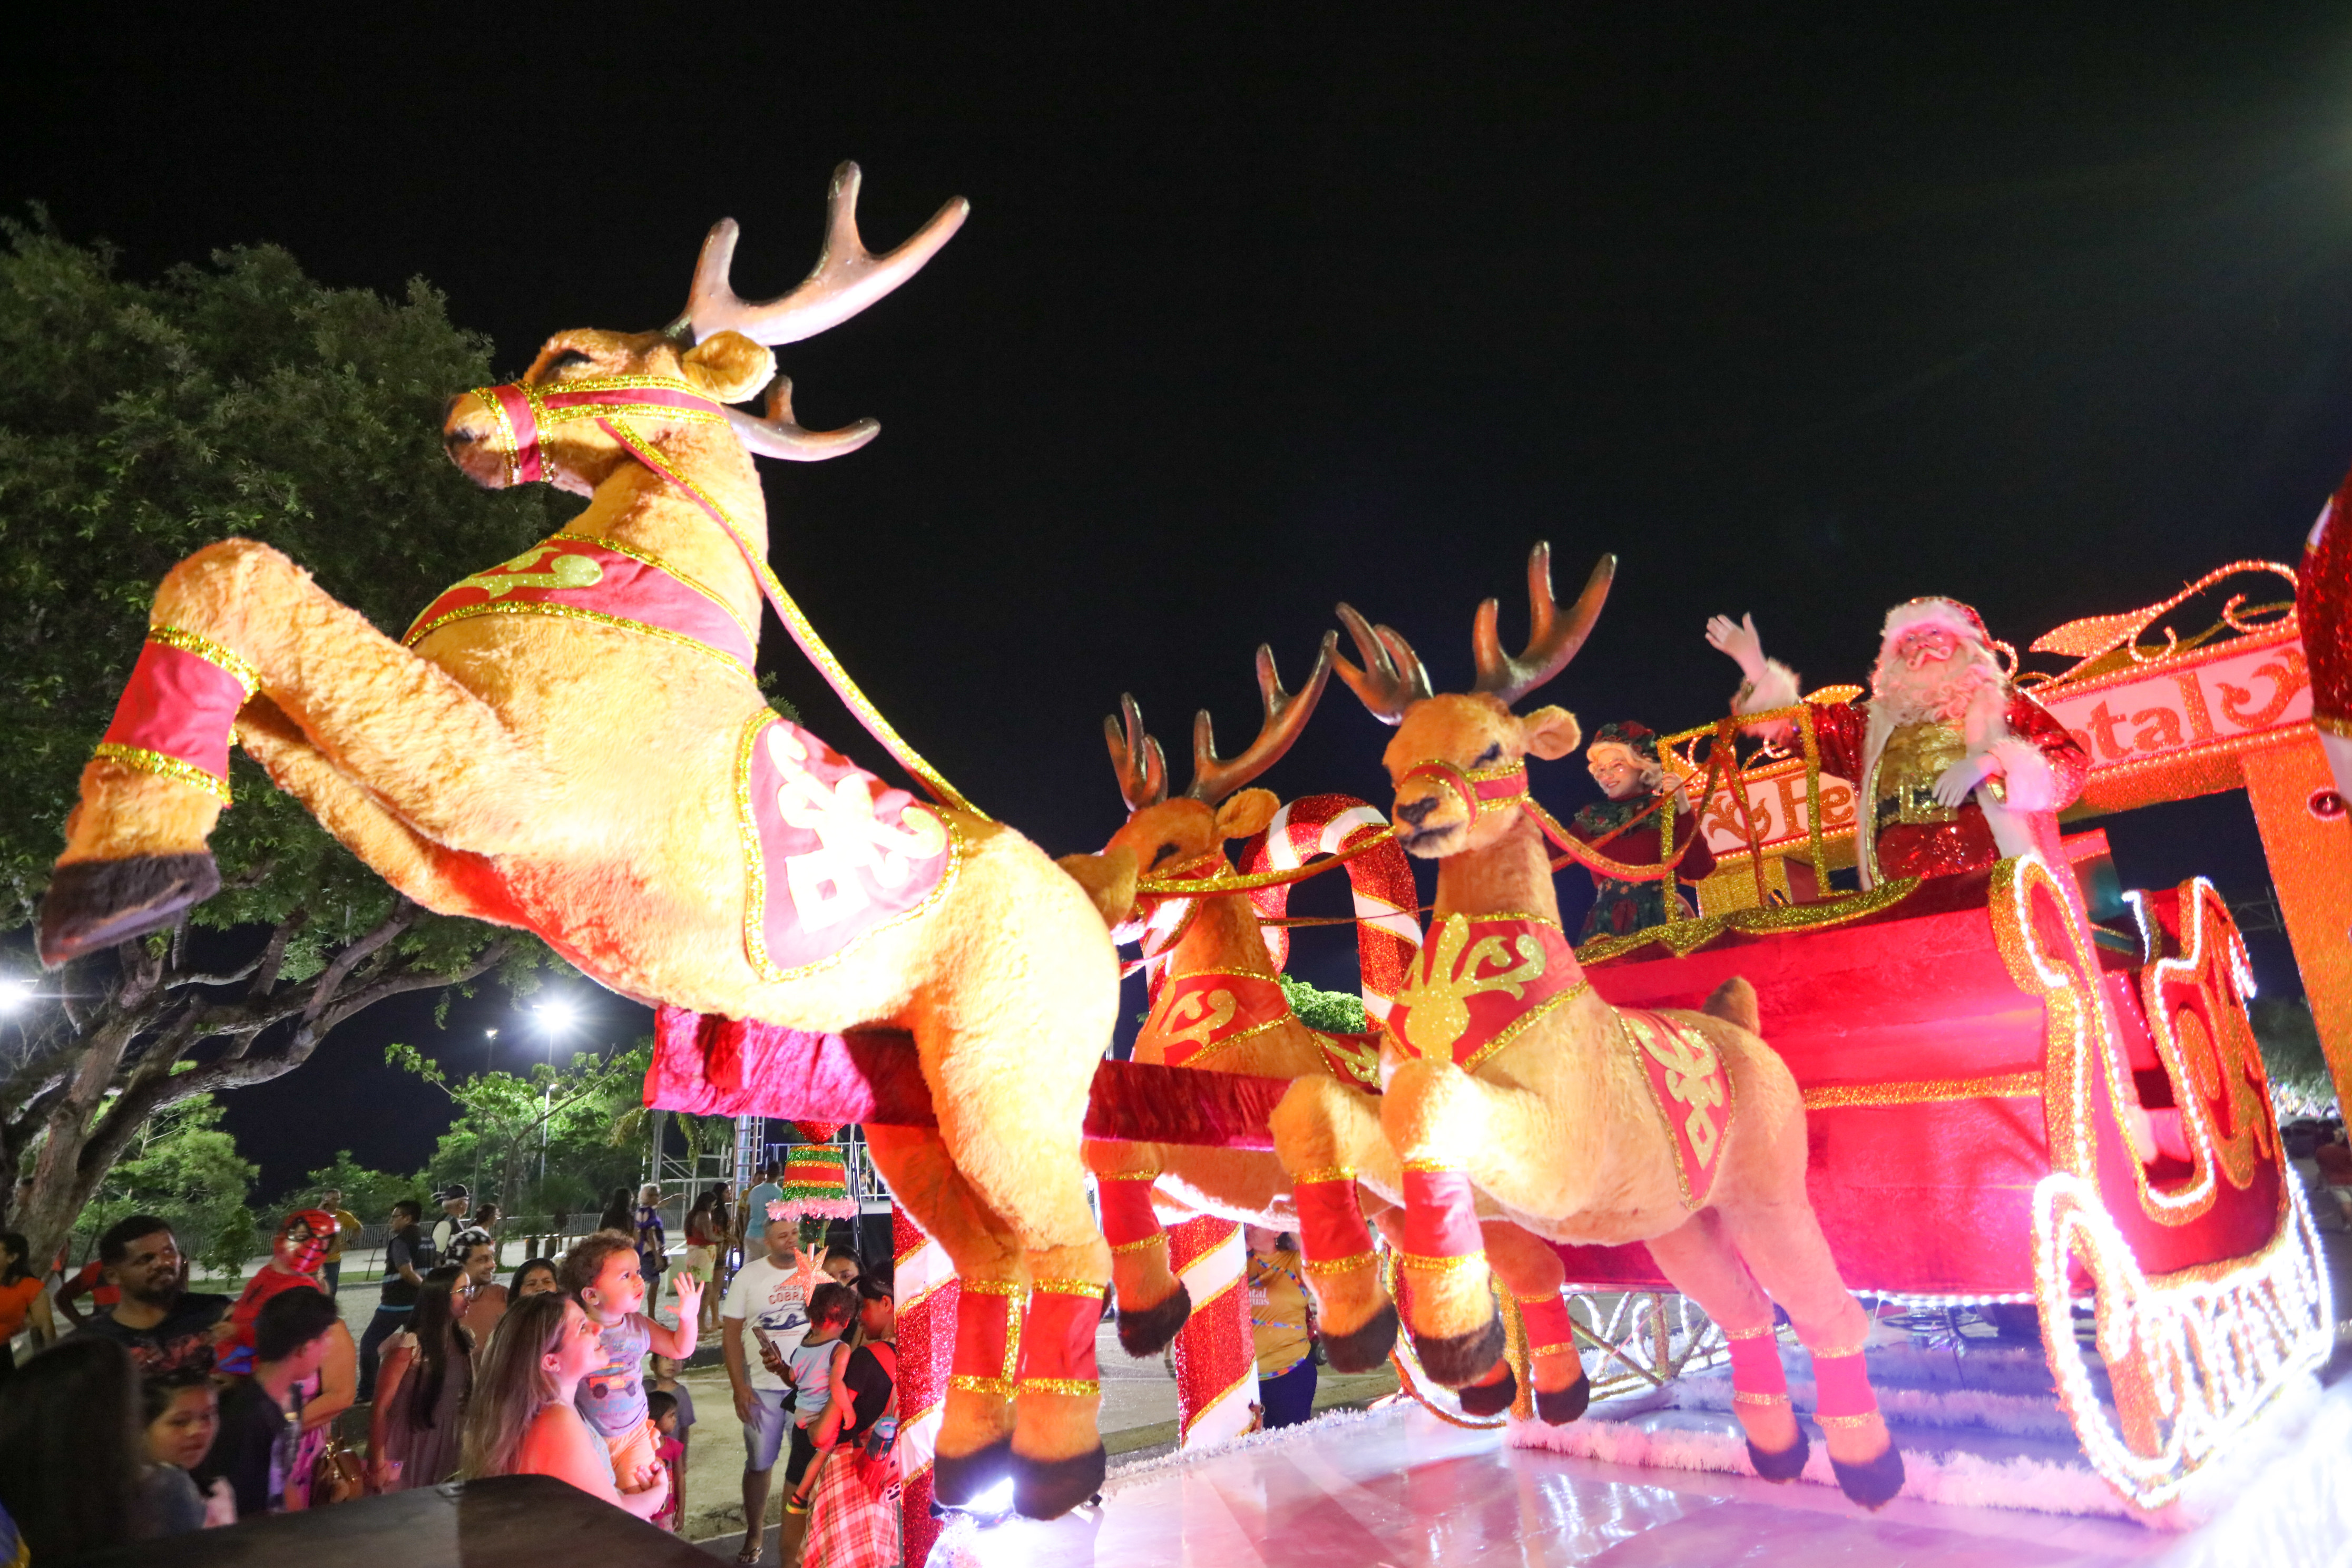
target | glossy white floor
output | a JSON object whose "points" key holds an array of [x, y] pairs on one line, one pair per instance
{"points": [[1401, 1489]]}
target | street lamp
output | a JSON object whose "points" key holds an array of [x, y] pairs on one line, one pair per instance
{"points": [[556, 1016]]}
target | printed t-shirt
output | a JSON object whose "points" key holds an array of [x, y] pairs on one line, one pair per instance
{"points": [[612, 1399], [1277, 1312], [183, 1338], [770, 1299], [811, 1374], [347, 1231]]}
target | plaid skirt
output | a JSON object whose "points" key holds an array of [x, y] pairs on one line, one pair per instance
{"points": [[854, 1517]]}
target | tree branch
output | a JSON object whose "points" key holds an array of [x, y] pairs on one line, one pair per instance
{"points": [[322, 992]]}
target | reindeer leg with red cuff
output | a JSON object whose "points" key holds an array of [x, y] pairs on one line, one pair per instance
{"points": [[1868, 1466], [1153, 1303], [1058, 1394], [975, 1441], [1759, 1397], [1450, 1304]]}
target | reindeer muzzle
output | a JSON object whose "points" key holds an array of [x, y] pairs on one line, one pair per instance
{"points": [[1479, 790], [520, 414]]}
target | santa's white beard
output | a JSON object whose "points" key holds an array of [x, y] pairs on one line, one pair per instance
{"points": [[1939, 691]]}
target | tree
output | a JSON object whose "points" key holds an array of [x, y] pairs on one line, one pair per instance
{"points": [[549, 1134], [367, 1193], [1333, 1011], [2289, 1038], [137, 422], [180, 1166]]}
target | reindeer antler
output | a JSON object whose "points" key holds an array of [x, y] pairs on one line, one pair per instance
{"points": [[1213, 777], [1136, 757], [778, 436], [847, 277], [1392, 678], [1552, 640]]}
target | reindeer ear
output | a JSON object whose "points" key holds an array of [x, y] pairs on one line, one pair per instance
{"points": [[1246, 813], [1552, 733], [730, 366]]}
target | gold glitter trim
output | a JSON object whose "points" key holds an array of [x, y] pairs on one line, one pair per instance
{"points": [[1428, 1264], [1130, 1177], [211, 652], [1746, 1398], [1156, 1239], [571, 613], [1424, 1166], [163, 767], [2332, 724], [964, 1382], [1205, 1052], [1328, 1174], [1924, 1091], [1683, 937], [755, 877], [1847, 1423], [994, 1288], [1074, 1388], [1768, 1328], [1065, 1288], [1336, 1265], [1524, 1021], [1841, 1352]]}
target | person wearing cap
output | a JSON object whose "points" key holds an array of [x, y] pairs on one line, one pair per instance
{"points": [[454, 1200], [1953, 767], [1628, 827]]}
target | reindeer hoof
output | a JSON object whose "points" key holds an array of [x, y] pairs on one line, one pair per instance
{"points": [[1048, 1488], [1785, 1465], [1367, 1349], [93, 904], [1483, 1399], [1567, 1404], [1872, 1484], [1456, 1360], [1145, 1331], [957, 1479]]}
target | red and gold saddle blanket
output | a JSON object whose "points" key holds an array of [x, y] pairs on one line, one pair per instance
{"points": [[603, 581], [1692, 1092], [1478, 983], [1200, 1014], [831, 854]]}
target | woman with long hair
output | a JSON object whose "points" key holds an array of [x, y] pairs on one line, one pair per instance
{"points": [[653, 1240], [704, 1230], [521, 1421], [617, 1215], [72, 1450], [851, 1491], [20, 1299], [420, 1396], [536, 1277]]}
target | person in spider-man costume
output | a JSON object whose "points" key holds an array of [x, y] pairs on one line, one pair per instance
{"points": [[302, 1244]]}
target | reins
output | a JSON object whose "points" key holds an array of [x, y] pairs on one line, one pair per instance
{"points": [[523, 410]]}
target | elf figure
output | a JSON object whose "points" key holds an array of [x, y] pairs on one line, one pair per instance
{"points": [[1629, 827]]}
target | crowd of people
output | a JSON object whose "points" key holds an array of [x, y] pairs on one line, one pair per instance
{"points": [[228, 1408]]}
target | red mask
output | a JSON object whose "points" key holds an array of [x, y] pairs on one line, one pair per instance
{"points": [[302, 1241]]}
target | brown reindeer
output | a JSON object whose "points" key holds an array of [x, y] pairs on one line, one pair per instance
{"points": [[581, 775], [1217, 1005], [1586, 1124]]}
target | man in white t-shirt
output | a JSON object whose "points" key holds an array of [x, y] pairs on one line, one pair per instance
{"points": [[769, 1294]]}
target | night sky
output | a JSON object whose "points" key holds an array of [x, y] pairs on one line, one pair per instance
{"points": [[1802, 316]]}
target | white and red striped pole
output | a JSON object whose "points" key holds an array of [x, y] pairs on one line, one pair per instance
{"points": [[926, 1291], [1216, 1352]]}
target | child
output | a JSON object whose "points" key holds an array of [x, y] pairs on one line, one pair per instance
{"points": [[807, 1371], [665, 1381], [182, 1417], [602, 1274], [663, 1410]]}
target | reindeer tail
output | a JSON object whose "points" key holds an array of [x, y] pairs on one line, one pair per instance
{"points": [[1734, 1002]]}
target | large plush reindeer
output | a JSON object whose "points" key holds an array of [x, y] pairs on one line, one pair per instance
{"points": [[1585, 1124], [1216, 1003], [603, 772]]}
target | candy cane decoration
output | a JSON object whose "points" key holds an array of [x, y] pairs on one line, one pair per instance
{"points": [[1388, 933], [1216, 1351], [925, 1289]]}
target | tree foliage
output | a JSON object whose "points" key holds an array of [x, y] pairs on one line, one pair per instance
{"points": [[367, 1193], [180, 1166], [2292, 1055], [1334, 1012], [557, 1138], [137, 422]]}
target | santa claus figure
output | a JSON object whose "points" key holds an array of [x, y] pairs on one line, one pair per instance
{"points": [[1631, 828], [1953, 767]]}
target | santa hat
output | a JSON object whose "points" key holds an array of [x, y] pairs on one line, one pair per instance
{"points": [[1945, 615]]}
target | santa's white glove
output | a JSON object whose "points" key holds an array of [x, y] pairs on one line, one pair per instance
{"points": [[1957, 783], [1740, 640]]}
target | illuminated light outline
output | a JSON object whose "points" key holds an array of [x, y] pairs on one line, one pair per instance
{"points": [[2244, 1328], [2197, 898]]}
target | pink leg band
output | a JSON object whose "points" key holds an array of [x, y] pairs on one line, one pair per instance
{"points": [[1548, 1324], [1127, 1217], [1331, 1229], [1441, 1219], [1842, 1387], [176, 713], [1756, 1370]]}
